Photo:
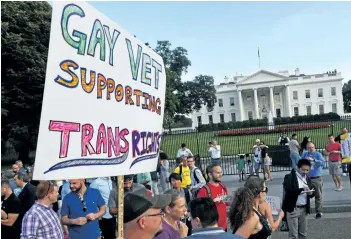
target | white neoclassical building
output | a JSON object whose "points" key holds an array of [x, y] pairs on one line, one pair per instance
{"points": [[283, 95]]}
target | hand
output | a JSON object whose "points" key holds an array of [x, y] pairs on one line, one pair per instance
{"points": [[161, 162], [80, 221], [183, 230], [217, 199], [91, 216]]}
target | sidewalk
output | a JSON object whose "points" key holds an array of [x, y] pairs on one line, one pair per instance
{"points": [[333, 201]]}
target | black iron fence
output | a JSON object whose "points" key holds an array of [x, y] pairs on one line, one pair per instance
{"points": [[234, 142]]}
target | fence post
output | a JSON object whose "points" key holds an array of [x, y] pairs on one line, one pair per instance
{"points": [[197, 142], [332, 126]]}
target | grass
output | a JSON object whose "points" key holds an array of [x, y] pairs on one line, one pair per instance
{"points": [[231, 145]]}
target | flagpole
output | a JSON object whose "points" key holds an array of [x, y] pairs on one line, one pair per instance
{"points": [[259, 58]]}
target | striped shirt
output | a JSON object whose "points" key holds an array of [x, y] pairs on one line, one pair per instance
{"points": [[41, 222]]}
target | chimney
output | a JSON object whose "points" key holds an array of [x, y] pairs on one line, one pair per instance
{"points": [[226, 79], [297, 72]]}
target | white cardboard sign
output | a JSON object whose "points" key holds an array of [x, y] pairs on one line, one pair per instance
{"points": [[103, 100], [275, 204]]}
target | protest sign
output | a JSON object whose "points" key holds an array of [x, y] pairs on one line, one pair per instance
{"points": [[275, 204], [103, 99]]}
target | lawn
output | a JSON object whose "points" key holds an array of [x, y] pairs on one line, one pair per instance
{"points": [[231, 145]]}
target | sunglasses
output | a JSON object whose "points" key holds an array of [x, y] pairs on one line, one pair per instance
{"points": [[265, 191], [83, 203]]}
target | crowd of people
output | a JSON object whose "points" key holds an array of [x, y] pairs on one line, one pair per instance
{"points": [[183, 203]]}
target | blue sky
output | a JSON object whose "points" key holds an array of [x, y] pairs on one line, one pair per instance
{"points": [[222, 37]]}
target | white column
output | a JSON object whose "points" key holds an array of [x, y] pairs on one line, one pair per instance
{"points": [[241, 106], [256, 103], [288, 100], [271, 100]]}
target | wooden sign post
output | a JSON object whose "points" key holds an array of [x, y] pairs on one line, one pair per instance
{"points": [[120, 185]]}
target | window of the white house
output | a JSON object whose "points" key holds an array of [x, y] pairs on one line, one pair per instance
{"points": [[321, 109], [249, 114], [210, 119], [220, 102], [308, 94], [199, 120], [248, 98], [232, 103], [333, 91], [295, 97], [233, 117], [308, 110], [276, 97], [221, 118], [320, 92], [296, 111], [334, 109]]}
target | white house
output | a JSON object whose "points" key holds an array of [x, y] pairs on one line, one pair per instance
{"points": [[284, 95]]}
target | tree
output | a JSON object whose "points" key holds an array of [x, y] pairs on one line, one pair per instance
{"points": [[183, 97], [346, 92], [25, 33]]}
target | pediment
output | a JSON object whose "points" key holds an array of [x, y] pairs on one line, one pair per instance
{"points": [[262, 77]]}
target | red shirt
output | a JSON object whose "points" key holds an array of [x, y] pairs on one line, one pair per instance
{"points": [[218, 191], [331, 147]]}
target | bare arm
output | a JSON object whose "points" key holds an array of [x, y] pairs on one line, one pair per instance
{"points": [[101, 211], [274, 224], [248, 228], [66, 221], [11, 218], [113, 211]]}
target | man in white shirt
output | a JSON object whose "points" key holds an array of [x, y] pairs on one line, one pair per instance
{"points": [[197, 179], [215, 152], [257, 157], [184, 151]]}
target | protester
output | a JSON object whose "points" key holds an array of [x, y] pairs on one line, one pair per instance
{"points": [[264, 207], [215, 152], [10, 210], [283, 140], [176, 181], [27, 196], [204, 218], [266, 160], [216, 190], [333, 150], [298, 190], [41, 221], [343, 133], [145, 179], [197, 179], [345, 141], [81, 210], [20, 166], [184, 171], [257, 157], [154, 180], [241, 168], [172, 226], [294, 148], [304, 143], [108, 222], [143, 214], [244, 215], [164, 172], [129, 187], [315, 174], [183, 151]]}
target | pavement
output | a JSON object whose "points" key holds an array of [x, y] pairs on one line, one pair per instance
{"points": [[332, 225], [333, 201]]}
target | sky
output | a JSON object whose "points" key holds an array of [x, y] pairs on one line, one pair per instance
{"points": [[222, 38]]}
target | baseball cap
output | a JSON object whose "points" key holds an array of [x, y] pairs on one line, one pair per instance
{"points": [[138, 202]]}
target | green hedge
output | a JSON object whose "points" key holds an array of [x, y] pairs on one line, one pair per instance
{"points": [[264, 122]]}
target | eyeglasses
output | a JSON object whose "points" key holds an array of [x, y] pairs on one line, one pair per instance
{"points": [[162, 214]]}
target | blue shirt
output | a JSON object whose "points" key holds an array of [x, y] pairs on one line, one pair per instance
{"points": [[317, 165], [104, 185], [73, 208]]}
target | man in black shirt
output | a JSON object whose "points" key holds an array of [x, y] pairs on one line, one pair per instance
{"points": [[10, 209]]}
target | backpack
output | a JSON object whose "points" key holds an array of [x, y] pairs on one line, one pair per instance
{"points": [[209, 190], [203, 175]]}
